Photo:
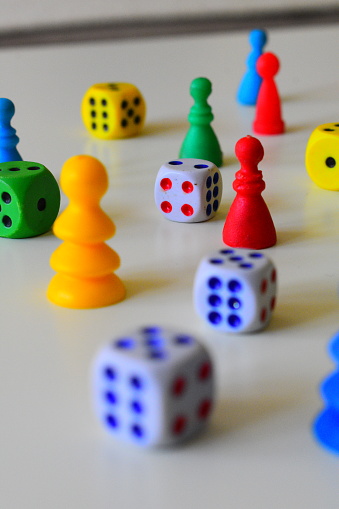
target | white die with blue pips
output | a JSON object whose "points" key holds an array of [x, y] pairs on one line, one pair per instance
{"points": [[153, 386], [235, 290]]}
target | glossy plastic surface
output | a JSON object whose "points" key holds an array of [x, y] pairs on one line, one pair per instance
{"points": [[250, 84], [249, 223], [326, 425], [84, 263], [113, 110], [235, 290], [188, 190], [268, 115], [8, 137], [322, 156], [29, 199], [201, 141], [153, 386]]}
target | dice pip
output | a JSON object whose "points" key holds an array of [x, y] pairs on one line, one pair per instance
{"points": [[235, 290], [322, 156], [153, 387], [113, 110], [29, 199], [188, 190]]}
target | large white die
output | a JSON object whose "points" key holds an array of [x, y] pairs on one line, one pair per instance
{"points": [[235, 290], [153, 386], [188, 190]]}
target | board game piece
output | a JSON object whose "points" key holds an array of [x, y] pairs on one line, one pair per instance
{"points": [[268, 116], [326, 425], [249, 223], [250, 84], [235, 290], [29, 199], [153, 386], [113, 110], [84, 262], [322, 156], [201, 141], [188, 190], [8, 138]]}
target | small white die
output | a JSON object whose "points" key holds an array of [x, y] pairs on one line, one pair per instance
{"points": [[188, 190], [235, 290]]}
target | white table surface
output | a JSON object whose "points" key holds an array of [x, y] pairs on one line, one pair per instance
{"points": [[258, 451]]}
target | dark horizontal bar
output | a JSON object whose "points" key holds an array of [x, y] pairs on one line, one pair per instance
{"points": [[166, 26]]}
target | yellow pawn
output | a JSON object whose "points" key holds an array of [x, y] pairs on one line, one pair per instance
{"points": [[83, 262]]}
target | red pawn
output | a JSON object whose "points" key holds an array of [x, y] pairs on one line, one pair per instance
{"points": [[268, 119], [249, 223]]}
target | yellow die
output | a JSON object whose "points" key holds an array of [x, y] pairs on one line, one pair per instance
{"points": [[322, 156], [113, 110]]}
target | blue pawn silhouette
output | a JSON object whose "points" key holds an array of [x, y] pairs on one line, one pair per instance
{"points": [[326, 425], [8, 138], [249, 87]]}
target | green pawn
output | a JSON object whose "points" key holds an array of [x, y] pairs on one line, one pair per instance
{"points": [[200, 141]]}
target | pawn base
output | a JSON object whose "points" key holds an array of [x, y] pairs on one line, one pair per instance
{"points": [[76, 293], [269, 128], [201, 143], [249, 224]]}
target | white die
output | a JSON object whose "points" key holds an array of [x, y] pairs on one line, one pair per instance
{"points": [[188, 190], [235, 290], [153, 386]]}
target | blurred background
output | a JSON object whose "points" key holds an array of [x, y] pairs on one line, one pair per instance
{"points": [[51, 21]]}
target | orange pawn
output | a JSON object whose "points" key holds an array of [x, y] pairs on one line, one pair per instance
{"points": [[84, 262], [249, 223]]}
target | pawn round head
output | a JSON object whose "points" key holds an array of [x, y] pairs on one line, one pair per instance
{"points": [[7, 109], [200, 88], [258, 38], [84, 177], [268, 65], [249, 150]]}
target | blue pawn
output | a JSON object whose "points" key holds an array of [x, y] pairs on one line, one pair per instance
{"points": [[8, 138], [326, 425], [250, 84]]}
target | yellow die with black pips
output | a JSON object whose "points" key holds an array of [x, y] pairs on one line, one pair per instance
{"points": [[113, 110], [322, 156]]}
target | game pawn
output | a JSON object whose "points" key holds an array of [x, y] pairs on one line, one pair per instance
{"points": [[84, 262], [8, 138], [326, 425], [249, 223], [250, 84], [268, 116], [201, 141]]}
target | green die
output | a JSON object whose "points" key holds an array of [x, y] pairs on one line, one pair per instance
{"points": [[29, 199]]}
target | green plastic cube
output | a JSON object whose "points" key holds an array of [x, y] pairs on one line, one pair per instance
{"points": [[29, 199]]}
